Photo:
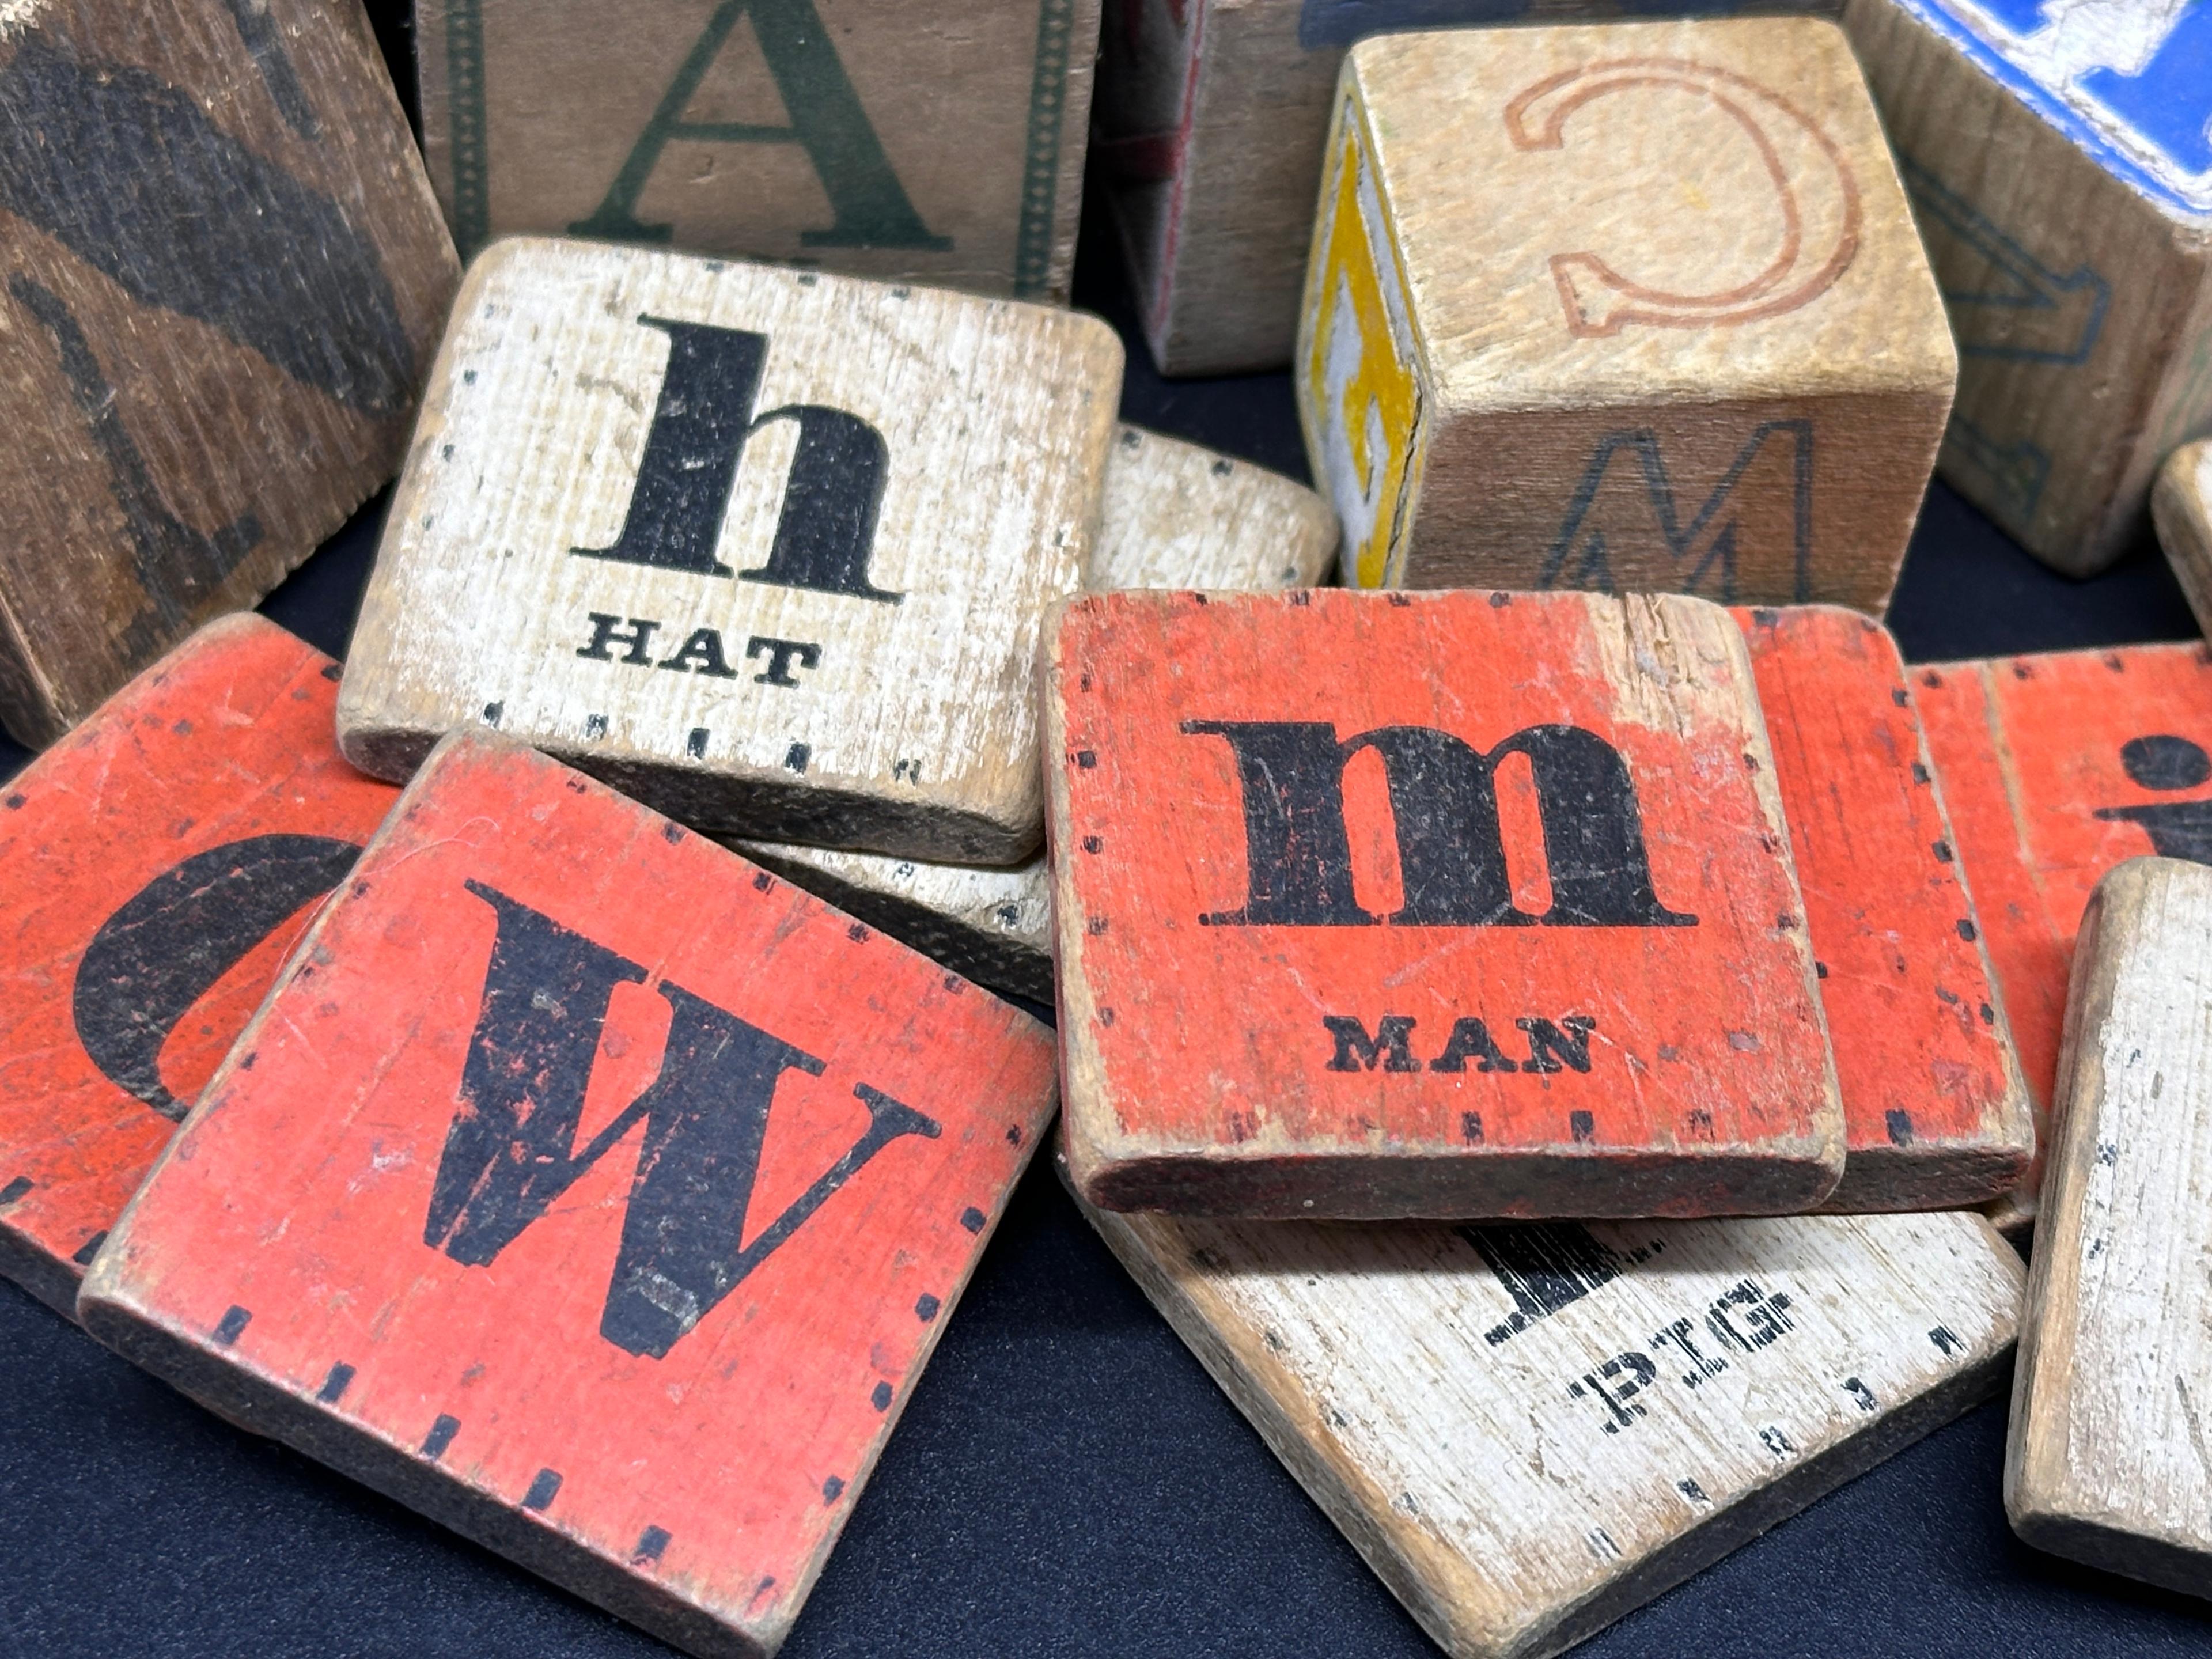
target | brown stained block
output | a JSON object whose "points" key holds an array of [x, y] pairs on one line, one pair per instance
{"points": [[2182, 506], [222, 276], [2055, 769], [1636, 308], [1210, 120], [940, 141], [155, 867], [1530, 1430], [1466, 904], [588, 1190], [1935, 1114], [2058, 160], [768, 549], [2108, 1461]]}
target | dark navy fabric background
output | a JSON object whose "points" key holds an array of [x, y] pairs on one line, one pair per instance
{"points": [[1066, 1481]]}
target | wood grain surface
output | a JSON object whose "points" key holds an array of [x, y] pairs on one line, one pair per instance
{"points": [[768, 549], [2067, 205], [224, 275], [2181, 504], [1441, 904], [1631, 307], [2108, 1461], [1529, 1429], [1935, 1114], [156, 865], [939, 140], [588, 1190]]}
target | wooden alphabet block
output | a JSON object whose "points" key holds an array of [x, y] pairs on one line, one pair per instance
{"points": [[940, 141], [1211, 118], [1529, 1429], [588, 1190], [2055, 769], [2182, 505], [213, 230], [155, 867], [1449, 905], [1636, 307], [2108, 1461], [2056, 156], [1935, 1115], [769, 550]]}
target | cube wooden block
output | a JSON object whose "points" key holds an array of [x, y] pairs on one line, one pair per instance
{"points": [[2182, 505], [2108, 1461], [1936, 1112], [1444, 905], [2055, 769], [940, 141], [1209, 122], [1529, 1429], [156, 865], [1636, 308], [2058, 160], [769, 550], [588, 1190], [218, 235]]}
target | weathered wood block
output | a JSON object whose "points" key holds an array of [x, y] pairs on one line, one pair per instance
{"points": [[2057, 158], [1935, 1114], [588, 1190], [214, 229], [155, 867], [1530, 356], [2106, 1461], [1529, 1429], [1446, 905], [934, 140], [2056, 767], [1211, 119], [768, 549], [2182, 505]]}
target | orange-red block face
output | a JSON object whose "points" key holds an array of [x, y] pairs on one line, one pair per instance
{"points": [[1453, 904], [1935, 1113], [156, 865], [589, 1189], [2057, 767]]}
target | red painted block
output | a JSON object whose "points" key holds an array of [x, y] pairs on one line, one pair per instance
{"points": [[1427, 904], [587, 1188], [1935, 1115], [155, 867], [2056, 767]]}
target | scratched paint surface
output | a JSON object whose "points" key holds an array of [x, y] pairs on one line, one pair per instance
{"points": [[220, 760], [302, 1232]]}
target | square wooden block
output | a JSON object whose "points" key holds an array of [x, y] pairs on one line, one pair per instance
{"points": [[2108, 1461], [1530, 1430], [940, 141], [768, 549], [156, 865], [588, 1190], [1466, 904], [2182, 506], [225, 277], [1935, 1114], [2057, 158], [1631, 307], [2055, 769]]}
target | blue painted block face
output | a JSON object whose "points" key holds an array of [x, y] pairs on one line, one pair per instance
{"points": [[2130, 81]]}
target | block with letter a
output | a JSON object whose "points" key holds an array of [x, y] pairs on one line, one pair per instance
{"points": [[2055, 769], [2058, 154], [1529, 356], [768, 549], [589, 1189], [157, 864], [1449, 905]]}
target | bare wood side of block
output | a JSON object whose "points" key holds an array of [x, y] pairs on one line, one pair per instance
{"points": [[2181, 504], [2108, 1461]]}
